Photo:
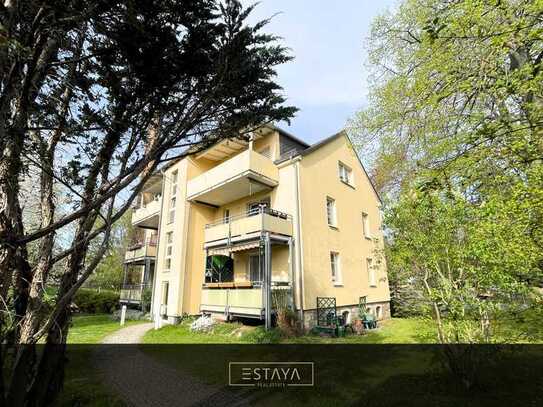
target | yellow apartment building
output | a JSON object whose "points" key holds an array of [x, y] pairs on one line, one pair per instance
{"points": [[221, 231]]}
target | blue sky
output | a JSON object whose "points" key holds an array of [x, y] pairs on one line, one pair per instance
{"points": [[327, 78]]}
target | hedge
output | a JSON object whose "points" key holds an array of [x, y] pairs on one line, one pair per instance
{"points": [[93, 301]]}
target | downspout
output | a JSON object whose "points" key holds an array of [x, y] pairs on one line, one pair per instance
{"points": [[155, 277], [299, 246]]}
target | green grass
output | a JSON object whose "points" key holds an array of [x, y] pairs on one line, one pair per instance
{"points": [[376, 375], [83, 385], [93, 328], [221, 333], [395, 330]]}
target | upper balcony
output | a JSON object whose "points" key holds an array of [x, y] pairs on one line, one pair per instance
{"points": [[147, 206], [139, 249], [146, 215], [244, 174], [252, 223]]}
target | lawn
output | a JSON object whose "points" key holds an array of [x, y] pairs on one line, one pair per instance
{"points": [[83, 385], [93, 328], [378, 368], [395, 330]]}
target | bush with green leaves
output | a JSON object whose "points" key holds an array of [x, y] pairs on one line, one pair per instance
{"points": [[94, 301]]}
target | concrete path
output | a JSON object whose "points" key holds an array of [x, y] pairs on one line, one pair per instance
{"points": [[143, 381]]}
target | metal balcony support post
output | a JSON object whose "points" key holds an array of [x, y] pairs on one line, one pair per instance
{"points": [[146, 270], [125, 273], [291, 301], [267, 281]]}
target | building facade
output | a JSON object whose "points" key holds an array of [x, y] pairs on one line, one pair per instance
{"points": [[242, 226]]}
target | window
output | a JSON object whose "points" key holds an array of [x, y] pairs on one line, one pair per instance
{"points": [[378, 312], [254, 268], [171, 212], [164, 299], [174, 183], [171, 209], [371, 273], [335, 268], [226, 216], [219, 269], [331, 212], [366, 225], [345, 174], [168, 253]]}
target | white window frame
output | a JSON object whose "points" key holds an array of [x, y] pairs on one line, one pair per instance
{"points": [[331, 216], [345, 173], [168, 250], [171, 210], [372, 275], [173, 190], [165, 293], [366, 225], [173, 198], [335, 269]]}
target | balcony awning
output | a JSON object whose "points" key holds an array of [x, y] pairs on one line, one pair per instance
{"points": [[225, 251]]}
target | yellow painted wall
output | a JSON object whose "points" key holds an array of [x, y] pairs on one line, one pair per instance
{"points": [[199, 216], [279, 264], [270, 140], [320, 178], [174, 277]]}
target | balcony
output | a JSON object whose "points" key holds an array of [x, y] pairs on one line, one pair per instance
{"points": [[133, 293], [242, 175], [146, 215], [249, 224], [140, 249], [237, 301]]}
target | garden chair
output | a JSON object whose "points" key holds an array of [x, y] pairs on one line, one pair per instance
{"points": [[370, 322]]}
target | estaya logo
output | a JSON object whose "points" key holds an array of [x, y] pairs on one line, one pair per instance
{"points": [[271, 374]]}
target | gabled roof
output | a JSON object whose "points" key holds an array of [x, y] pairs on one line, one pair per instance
{"points": [[323, 143], [287, 134]]}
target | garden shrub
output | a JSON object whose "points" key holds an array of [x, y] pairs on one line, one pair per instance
{"points": [[93, 301], [261, 336]]}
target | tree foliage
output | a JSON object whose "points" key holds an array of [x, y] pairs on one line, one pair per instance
{"points": [[94, 96], [455, 120]]}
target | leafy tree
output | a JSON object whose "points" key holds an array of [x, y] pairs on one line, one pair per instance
{"points": [[109, 272], [94, 96], [455, 121]]}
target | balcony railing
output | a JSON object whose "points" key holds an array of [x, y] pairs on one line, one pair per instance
{"points": [[147, 212], [257, 220], [141, 248], [133, 293], [246, 173], [246, 301]]}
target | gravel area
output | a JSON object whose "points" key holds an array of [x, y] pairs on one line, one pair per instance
{"points": [[130, 334], [143, 381]]}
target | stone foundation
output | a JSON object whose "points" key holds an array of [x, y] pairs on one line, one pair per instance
{"points": [[380, 309]]}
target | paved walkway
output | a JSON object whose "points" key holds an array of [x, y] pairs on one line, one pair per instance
{"points": [[143, 381], [130, 334]]}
